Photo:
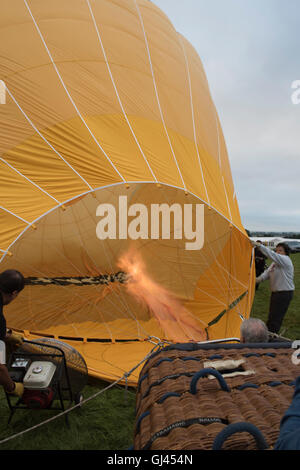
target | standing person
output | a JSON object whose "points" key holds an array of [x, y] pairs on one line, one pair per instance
{"points": [[260, 262], [11, 283], [281, 276]]}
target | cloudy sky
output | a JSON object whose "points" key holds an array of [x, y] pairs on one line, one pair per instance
{"points": [[251, 53]]}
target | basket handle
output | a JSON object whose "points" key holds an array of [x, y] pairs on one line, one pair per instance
{"points": [[240, 427], [205, 372]]}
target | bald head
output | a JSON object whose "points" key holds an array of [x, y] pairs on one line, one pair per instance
{"points": [[254, 330]]}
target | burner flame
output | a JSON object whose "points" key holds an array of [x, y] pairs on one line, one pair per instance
{"points": [[176, 321]]}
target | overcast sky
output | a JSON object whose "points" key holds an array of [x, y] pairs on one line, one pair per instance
{"points": [[250, 50]]}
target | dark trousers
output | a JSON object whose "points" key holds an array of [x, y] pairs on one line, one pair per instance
{"points": [[279, 303]]}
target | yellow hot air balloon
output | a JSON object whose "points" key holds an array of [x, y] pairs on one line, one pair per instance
{"points": [[106, 117]]}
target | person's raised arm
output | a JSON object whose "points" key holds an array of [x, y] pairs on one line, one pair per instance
{"points": [[282, 260]]}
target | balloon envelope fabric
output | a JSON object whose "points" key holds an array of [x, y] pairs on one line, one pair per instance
{"points": [[107, 104]]}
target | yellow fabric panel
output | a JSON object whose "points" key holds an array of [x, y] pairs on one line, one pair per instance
{"points": [[229, 325], [116, 359], [12, 226], [204, 111], [28, 156], [219, 287]]}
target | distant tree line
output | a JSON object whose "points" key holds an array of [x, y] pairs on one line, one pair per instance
{"points": [[295, 235]]}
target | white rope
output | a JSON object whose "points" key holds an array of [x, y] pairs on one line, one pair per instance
{"points": [[211, 296], [29, 180], [231, 275], [68, 93], [194, 128], [15, 215], [124, 377], [116, 91], [156, 93], [45, 140], [62, 413]]}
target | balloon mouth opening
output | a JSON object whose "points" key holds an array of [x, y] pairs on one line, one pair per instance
{"points": [[100, 270]]}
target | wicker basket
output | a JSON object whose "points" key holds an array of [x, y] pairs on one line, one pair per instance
{"points": [[188, 394]]}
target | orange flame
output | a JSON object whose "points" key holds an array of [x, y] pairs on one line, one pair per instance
{"points": [[176, 321]]}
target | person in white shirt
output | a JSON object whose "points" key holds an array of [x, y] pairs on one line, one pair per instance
{"points": [[281, 277]]}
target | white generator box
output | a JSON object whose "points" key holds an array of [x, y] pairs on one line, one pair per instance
{"points": [[39, 375]]}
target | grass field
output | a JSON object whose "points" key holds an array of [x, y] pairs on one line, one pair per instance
{"points": [[107, 421]]}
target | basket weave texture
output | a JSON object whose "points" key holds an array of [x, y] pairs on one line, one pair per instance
{"points": [[169, 416]]}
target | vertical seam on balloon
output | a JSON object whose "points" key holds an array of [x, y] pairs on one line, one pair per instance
{"points": [[68, 93], [45, 140], [193, 116], [116, 90], [156, 92], [29, 180]]}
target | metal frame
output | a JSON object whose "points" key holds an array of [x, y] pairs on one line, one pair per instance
{"points": [[55, 382]]}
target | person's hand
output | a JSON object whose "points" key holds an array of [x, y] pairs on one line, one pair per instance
{"points": [[18, 390], [15, 339]]}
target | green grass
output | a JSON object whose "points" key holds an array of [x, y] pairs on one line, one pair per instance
{"points": [[107, 421], [103, 423]]}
